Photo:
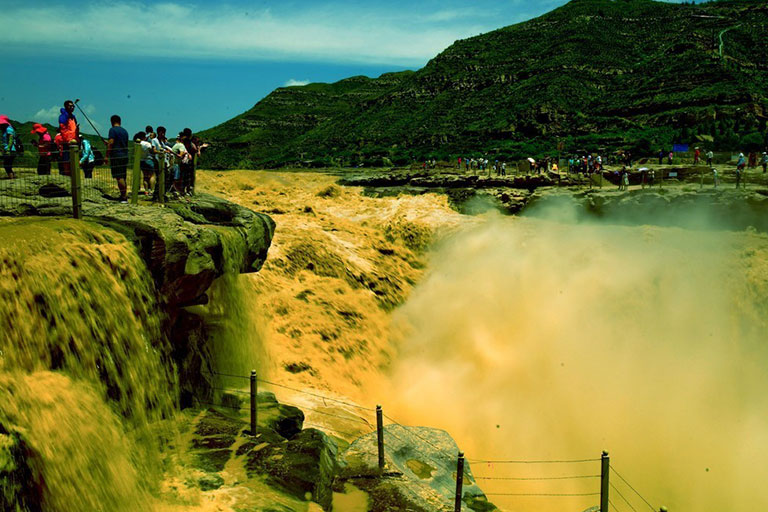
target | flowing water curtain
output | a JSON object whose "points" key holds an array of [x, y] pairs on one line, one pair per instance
{"points": [[78, 301]]}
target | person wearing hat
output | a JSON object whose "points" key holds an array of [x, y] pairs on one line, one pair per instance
{"points": [[44, 143], [9, 145]]}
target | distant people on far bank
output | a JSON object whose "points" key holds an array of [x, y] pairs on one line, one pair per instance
{"points": [[710, 157], [8, 145], [764, 161]]}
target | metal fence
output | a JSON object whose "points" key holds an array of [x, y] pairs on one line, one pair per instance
{"points": [[500, 478], [58, 182]]}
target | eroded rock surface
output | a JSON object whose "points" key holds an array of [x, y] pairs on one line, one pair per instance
{"points": [[419, 475]]}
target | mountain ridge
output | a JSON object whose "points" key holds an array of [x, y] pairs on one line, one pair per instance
{"points": [[636, 74]]}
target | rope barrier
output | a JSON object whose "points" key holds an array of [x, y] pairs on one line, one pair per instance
{"points": [[317, 395], [345, 418], [575, 461], [322, 427], [227, 390], [622, 496], [225, 406], [633, 489], [544, 494], [537, 478], [413, 431]]}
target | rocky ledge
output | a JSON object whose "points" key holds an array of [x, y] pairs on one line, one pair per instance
{"points": [[307, 464], [186, 245], [685, 206]]}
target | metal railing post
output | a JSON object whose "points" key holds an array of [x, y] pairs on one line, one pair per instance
{"points": [[254, 409], [76, 180], [136, 178], [161, 179], [380, 436], [605, 468], [459, 482]]}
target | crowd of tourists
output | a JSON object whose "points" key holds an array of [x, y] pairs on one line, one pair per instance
{"points": [[178, 157]]}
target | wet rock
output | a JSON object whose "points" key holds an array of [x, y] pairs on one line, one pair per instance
{"points": [[215, 423], [210, 482], [419, 473], [286, 420], [215, 434], [19, 490], [304, 467], [212, 460]]}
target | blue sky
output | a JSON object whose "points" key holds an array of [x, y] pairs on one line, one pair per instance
{"points": [[199, 63]]}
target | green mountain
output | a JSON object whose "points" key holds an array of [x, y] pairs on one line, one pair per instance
{"points": [[633, 74]]}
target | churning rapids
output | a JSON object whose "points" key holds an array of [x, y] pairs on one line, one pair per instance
{"points": [[526, 338]]}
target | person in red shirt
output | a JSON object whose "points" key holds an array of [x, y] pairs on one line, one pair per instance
{"points": [[70, 132], [62, 153], [44, 143], [696, 156]]}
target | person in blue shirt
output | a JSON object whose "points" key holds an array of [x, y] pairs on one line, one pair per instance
{"points": [[8, 146], [87, 158], [117, 155]]}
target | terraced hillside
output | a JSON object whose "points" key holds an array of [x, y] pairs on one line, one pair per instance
{"points": [[637, 74]]}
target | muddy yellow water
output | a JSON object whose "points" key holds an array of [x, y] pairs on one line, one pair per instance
{"points": [[526, 339], [77, 301]]}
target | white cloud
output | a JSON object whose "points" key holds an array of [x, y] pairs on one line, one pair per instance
{"points": [[48, 115], [322, 32], [51, 116], [293, 82]]}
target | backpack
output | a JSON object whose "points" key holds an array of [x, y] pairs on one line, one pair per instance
{"points": [[98, 158]]}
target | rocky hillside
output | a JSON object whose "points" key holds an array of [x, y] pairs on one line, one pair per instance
{"points": [[618, 73]]}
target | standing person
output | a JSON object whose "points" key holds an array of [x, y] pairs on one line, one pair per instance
{"points": [[147, 162], [764, 161], [180, 150], [9, 145], [714, 175], [162, 150], [742, 162], [117, 155], [87, 158], [740, 165], [752, 159], [188, 169], [670, 157], [661, 157], [44, 143], [710, 157], [70, 132], [696, 156], [58, 142]]}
